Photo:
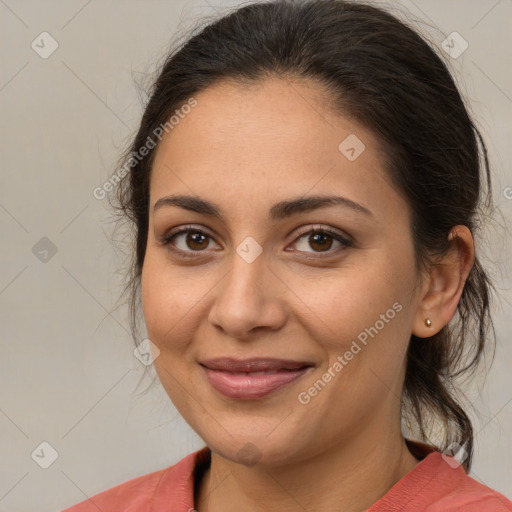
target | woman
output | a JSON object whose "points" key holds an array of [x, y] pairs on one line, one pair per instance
{"points": [[303, 189]]}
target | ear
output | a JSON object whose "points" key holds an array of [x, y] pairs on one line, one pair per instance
{"points": [[443, 286]]}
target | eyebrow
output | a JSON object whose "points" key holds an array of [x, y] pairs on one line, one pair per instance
{"points": [[279, 211]]}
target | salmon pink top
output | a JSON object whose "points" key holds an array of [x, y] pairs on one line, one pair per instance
{"points": [[436, 484]]}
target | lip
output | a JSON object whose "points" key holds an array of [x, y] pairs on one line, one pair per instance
{"points": [[251, 379]]}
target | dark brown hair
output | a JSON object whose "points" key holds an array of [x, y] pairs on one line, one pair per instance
{"points": [[384, 75]]}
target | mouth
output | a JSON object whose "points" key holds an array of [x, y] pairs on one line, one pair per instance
{"points": [[251, 379]]}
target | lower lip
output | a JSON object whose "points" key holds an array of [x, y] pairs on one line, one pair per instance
{"points": [[250, 387]]}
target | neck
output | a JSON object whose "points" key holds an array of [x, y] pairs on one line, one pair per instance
{"points": [[355, 474]]}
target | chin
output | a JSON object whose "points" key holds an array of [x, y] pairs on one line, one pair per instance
{"points": [[254, 450]]}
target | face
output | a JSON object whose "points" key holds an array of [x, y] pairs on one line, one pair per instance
{"points": [[311, 329]]}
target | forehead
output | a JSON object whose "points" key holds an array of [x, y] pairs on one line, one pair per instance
{"points": [[267, 140]]}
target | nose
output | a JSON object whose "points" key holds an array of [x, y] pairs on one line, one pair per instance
{"points": [[249, 299]]}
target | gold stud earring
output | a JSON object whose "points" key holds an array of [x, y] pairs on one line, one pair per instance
{"points": [[428, 323]]}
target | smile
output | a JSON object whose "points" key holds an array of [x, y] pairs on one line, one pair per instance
{"points": [[254, 378]]}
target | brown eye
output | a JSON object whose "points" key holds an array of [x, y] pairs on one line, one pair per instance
{"points": [[320, 241], [188, 241], [196, 241]]}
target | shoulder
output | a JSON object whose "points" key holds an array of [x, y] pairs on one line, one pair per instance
{"points": [[465, 493], [137, 492], [439, 484], [172, 486]]}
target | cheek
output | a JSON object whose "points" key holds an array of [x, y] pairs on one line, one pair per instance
{"points": [[161, 306], [364, 330], [347, 301], [168, 307], [173, 299]]}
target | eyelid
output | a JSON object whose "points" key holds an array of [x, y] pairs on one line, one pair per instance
{"points": [[344, 237], [345, 240], [168, 236]]}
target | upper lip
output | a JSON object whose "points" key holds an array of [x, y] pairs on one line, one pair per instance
{"points": [[253, 365]]}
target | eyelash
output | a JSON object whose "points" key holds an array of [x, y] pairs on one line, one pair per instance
{"points": [[345, 242]]}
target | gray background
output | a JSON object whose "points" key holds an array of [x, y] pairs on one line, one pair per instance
{"points": [[68, 375]]}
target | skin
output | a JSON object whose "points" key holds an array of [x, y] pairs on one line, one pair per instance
{"points": [[246, 148]]}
